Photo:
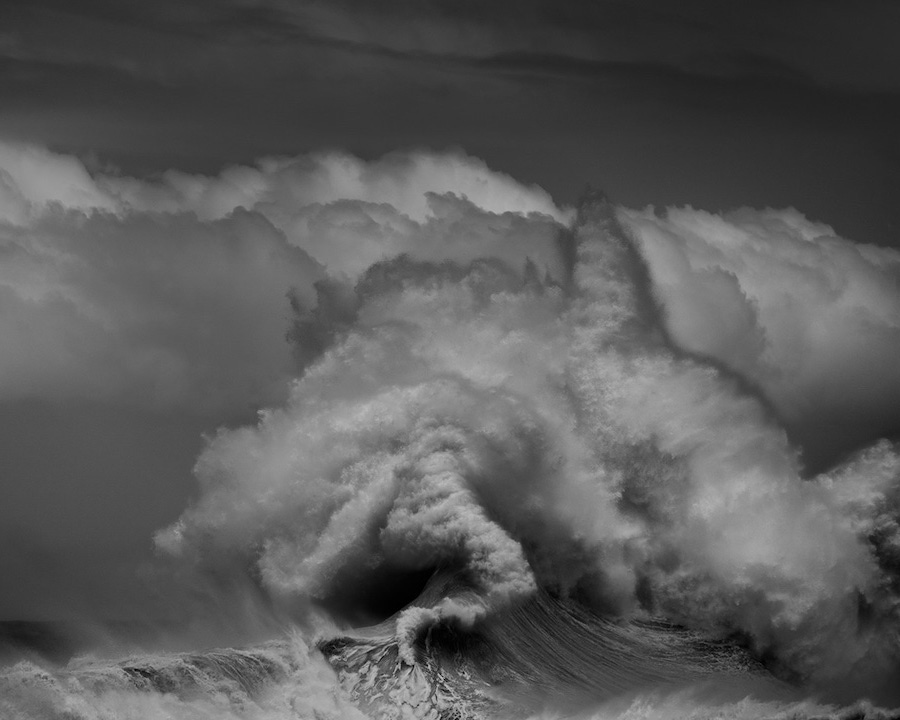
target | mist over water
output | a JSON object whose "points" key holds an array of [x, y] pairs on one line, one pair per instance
{"points": [[515, 460]]}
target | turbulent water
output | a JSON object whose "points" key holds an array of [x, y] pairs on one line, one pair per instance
{"points": [[500, 490], [543, 658]]}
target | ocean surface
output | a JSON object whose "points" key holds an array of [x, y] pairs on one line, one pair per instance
{"points": [[543, 658]]}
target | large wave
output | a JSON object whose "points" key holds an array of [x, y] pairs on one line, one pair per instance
{"points": [[509, 455]]}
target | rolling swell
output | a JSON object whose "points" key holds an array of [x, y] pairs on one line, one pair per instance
{"points": [[559, 647]]}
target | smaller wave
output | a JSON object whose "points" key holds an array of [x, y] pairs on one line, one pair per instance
{"points": [[276, 680]]}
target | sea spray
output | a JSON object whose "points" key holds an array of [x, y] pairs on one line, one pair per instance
{"points": [[544, 434], [614, 519]]}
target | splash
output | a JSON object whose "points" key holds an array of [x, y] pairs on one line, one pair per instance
{"points": [[508, 468], [544, 434]]}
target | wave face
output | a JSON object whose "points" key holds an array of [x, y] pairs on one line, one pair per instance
{"points": [[540, 651], [512, 494]]}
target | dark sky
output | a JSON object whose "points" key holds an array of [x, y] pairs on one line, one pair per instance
{"points": [[702, 102], [715, 104]]}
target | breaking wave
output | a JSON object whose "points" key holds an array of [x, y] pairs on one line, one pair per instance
{"points": [[501, 488]]}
